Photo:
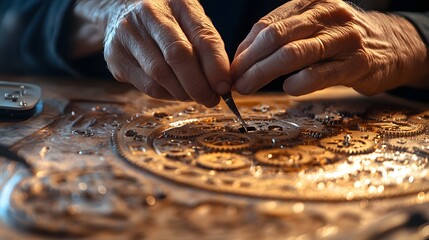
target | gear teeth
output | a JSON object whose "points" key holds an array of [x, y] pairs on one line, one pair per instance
{"points": [[222, 161], [400, 129], [225, 141], [284, 157], [351, 146]]}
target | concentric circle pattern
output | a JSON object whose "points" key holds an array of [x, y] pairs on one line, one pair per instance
{"points": [[353, 153]]}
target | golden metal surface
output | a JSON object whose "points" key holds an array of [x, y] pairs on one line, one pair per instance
{"points": [[109, 162]]}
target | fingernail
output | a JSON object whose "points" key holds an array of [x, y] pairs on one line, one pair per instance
{"points": [[223, 87]]}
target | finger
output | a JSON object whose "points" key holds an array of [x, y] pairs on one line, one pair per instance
{"points": [[335, 42], [289, 9], [179, 54], [145, 84], [149, 57], [283, 25], [325, 75], [271, 39], [124, 67], [291, 57], [207, 42]]}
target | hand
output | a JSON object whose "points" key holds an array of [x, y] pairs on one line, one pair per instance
{"points": [[328, 43], [167, 49]]}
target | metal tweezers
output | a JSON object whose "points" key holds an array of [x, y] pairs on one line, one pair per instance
{"points": [[233, 107]]}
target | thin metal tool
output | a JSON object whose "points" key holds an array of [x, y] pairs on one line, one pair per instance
{"points": [[8, 154], [231, 104]]}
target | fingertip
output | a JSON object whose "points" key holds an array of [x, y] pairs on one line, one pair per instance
{"points": [[223, 87], [293, 85], [213, 102]]}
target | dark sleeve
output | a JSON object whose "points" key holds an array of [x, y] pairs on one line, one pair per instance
{"points": [[421, 23], [31, 39]]}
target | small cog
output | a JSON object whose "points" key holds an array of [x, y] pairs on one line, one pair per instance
{"points": [[399, 129], [347, 144], [321, 155], [283, 157], [225, 141], [222, 161]]}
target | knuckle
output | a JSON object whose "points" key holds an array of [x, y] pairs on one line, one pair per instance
{"points": [[344, 12], [149, 88], [205, 36], [199, 93], [146, 8], [260, 25], [177, 51], [121, 32], [331, 12], [354, 37], [155, 70], [365, 59], [290, 53], [273, 34]]}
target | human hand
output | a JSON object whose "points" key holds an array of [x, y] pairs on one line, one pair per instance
{"points": [[168, 50], [328, 43]]}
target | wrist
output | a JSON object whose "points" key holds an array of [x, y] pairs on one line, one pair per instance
{"points": [[412, 53]]}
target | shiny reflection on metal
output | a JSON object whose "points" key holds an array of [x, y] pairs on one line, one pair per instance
{"points": [[291, 156]]}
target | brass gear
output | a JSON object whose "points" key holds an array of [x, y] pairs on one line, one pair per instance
{"points": [[347, 144], [321, 155], [225, 141], [399, 129], [284, 157], [222, 161]]}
